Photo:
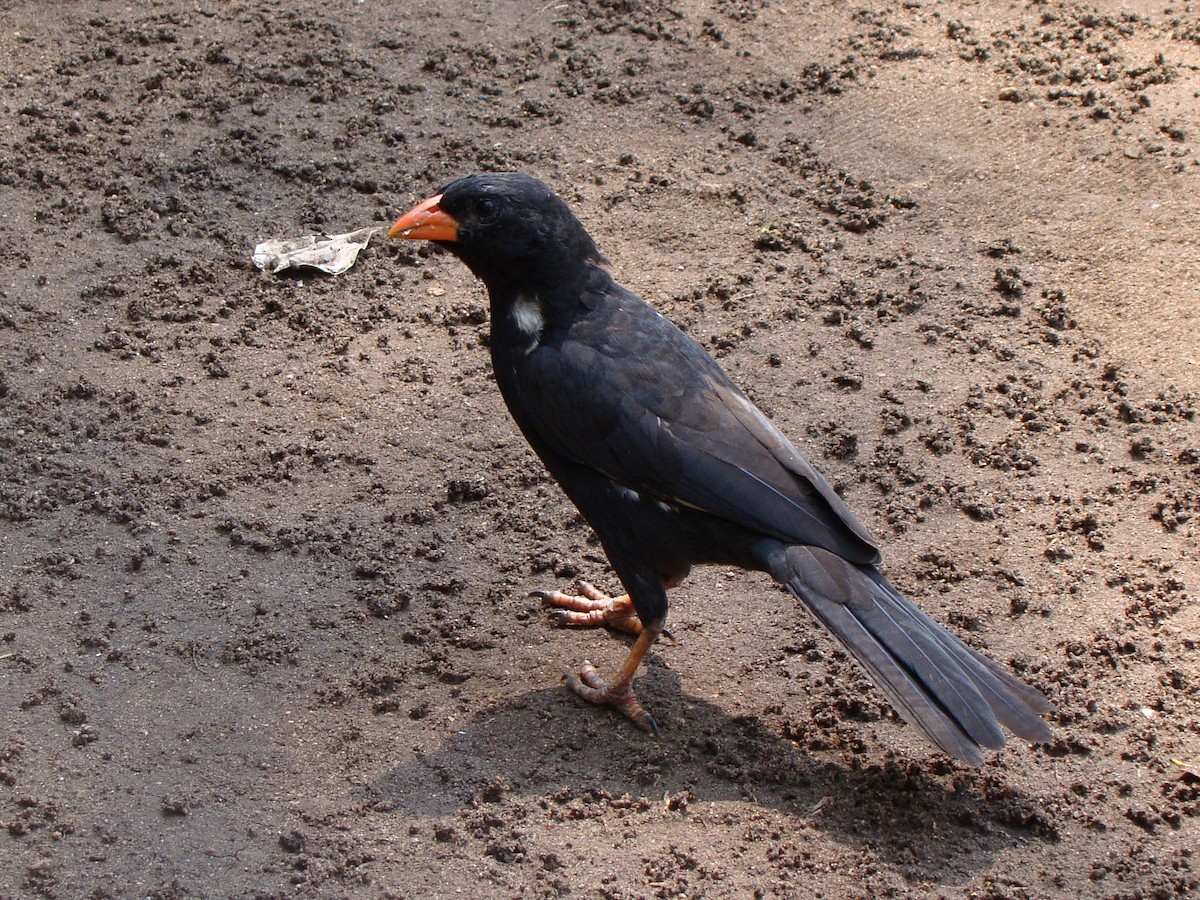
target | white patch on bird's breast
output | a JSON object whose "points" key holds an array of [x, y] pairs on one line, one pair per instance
{"points": [[527, 316]]}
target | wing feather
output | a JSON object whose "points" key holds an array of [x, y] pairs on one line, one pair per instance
{"points": [[627, 394]]}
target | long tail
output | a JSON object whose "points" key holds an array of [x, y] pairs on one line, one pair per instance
{"points": [[956, 696]]}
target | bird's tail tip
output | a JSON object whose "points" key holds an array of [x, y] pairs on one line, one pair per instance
{"points": [[957, 697]]}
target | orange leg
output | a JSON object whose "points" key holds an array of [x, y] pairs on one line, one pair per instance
{"points": [[590, 686]]}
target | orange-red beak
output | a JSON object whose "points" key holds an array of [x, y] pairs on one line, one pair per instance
{"points": [[425, 222]]}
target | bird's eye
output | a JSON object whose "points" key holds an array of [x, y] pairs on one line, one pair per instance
{"points": [[487, 209]]}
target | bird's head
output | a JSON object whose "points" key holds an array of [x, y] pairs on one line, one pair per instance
{"points": [[510, 229]]}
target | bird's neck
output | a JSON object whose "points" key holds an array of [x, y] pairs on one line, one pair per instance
{"points": [[524, 311]]}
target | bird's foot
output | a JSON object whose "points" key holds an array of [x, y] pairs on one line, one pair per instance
{"points": [[592, 608], [591, 687]]}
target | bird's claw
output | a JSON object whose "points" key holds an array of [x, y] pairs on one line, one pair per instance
{"points": [[591, 687], [591, 608]]}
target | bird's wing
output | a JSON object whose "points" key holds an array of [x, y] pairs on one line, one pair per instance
{"points": [[627, 394]]}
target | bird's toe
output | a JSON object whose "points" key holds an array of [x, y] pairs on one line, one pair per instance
{"points": [[588, 684], [591, 608]]}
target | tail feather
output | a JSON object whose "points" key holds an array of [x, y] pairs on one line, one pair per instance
{"points": [[1015, 704], [957, 697], [877, 659], [927, 660]]}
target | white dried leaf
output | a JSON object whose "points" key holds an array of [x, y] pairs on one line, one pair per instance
{"points": [[332, 253]]}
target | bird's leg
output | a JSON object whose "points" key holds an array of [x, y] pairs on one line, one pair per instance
{"points": [[590, 686], [591, 609]]}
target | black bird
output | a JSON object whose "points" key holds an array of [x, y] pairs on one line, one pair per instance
{"points": [[672, 467]]}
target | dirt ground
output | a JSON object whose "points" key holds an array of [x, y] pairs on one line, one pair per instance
{"points": [[267, 542]]}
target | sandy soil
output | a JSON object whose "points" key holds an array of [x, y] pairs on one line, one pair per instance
{"points": [[267, 542]]}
